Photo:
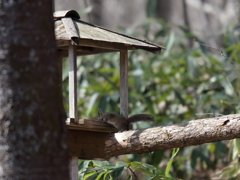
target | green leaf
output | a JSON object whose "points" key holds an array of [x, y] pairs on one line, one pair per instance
{"points": [[83, 165], [93, 177], [92, 102], [106, 175], [129, 177], [170, 43], [89, 174], [116, 172], [120, 164], [157, 177], [102, 103], [80, 176], [174, 153], [157, 157], [100, 175], [160, 177], [144, 171], [151, 167], [100, 163], [194, 157], [135, 164], [211, 147], [65, 69]]}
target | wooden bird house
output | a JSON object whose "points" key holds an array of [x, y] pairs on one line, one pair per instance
{"points": [[78, 38]]}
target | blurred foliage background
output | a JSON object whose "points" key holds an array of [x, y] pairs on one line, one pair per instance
{"points": [[186, 81]]}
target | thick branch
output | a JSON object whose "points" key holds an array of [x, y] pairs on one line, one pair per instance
{"points": [[190, 133]]}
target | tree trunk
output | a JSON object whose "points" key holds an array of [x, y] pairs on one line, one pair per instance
{"points": [[190, 133], [33, 134]]}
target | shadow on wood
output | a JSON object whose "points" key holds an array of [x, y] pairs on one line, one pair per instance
{"points": [[87, 144]]}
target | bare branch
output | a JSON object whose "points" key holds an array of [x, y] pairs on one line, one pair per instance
{"points": [[215, 49], [209, 114], [189, 133], [132, 172]]}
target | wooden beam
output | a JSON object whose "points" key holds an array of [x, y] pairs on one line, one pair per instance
{"points": [[98, 44], [72, 82], [92, 125], [73, 102], [84, 50], [124, 83], [108, 45], [71, 30]]}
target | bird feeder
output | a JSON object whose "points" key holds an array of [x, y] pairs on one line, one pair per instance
{"points": [[78, 38]]}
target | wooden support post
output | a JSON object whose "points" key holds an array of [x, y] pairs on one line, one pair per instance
{"points": [[73, 102], [124, 83], [74, 168], [72, 82]]}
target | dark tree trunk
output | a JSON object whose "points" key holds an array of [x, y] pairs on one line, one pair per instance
{"points": [[33, 134]]}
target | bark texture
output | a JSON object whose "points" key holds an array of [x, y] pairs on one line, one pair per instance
{"points": [[190, 133], [32, 131]]}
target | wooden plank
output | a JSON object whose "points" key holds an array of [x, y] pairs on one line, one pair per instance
{"points": [[92, 125], [124, 83], [86, 144], [63, 41], [71, 30], [72, 82], [106, 45], [91, 31], [96, 33], [84, 50], [94, 36], [93, 122]]}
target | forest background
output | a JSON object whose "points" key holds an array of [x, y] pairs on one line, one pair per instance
{"points": [[187, 81]]}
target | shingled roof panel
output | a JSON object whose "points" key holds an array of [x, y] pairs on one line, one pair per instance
{"points": [[67, 28]]}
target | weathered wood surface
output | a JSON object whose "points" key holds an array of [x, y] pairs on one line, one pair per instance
{"points": [[95, 35], [67, 13], [72, 82], [84, 50], [189, 133], [102, 46], [91, 125], [73, 113], [87, 144], [124, 83], [97, 44], [71, 30], [73, 102], [73, 166]]}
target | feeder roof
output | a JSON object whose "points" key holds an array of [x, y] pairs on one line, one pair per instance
{"points": [[92, 39]]}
